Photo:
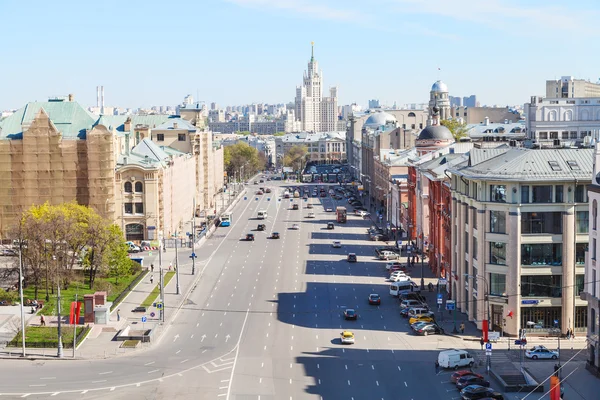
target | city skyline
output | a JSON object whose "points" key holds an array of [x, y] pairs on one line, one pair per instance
{"points": [[135, 61]]}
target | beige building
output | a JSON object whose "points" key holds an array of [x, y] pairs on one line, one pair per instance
{"points": [[479, 115], [323, 148], [568, 87], [519, 237]]}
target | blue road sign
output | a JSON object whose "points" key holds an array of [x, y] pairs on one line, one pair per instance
{"points": [[152, 314], [144, 318], [268, 199], [256, 199], [488, 346], [440, 296], [245, 198], [193, 255], [159, 305]]}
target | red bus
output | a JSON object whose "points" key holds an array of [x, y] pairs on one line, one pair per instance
{"points": [[341, 214]]}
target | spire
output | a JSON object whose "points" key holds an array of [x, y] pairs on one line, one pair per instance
{"points": [[312, 51]]}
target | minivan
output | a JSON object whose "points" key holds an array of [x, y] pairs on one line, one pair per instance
{"points": [[410, 303], [455, 358], [417, 311]]}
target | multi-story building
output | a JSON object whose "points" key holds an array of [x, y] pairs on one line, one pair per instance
{"points": [[567, 87], [374, 103], [323, 148], [315, 112], [519, 237], [470, 101], [478, 115], [591, 291]]}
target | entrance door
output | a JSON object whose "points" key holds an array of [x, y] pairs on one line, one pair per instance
{"points": [[134, 232], [497, 318]]}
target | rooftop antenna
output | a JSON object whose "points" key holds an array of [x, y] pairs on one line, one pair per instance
{"points": [[312, 51]]}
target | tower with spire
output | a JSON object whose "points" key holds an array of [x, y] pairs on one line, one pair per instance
{"points": [[314, 112]]}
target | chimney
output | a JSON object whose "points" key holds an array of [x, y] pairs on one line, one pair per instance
{"points": [[486, 121], [71, 97]]}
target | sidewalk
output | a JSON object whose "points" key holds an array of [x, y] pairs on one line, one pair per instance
{"points": [[99, 343]]}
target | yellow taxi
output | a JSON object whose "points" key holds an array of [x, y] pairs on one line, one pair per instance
{"points": [[347, 337], [420, 318]]}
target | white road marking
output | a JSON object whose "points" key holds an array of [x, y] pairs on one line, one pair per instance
{"points": [[405, 384], [178, 351], [53, 377], [184, 361], [104, 380], [153, 371], [150, 363]]}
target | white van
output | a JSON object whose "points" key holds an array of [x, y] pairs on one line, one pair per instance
{"points": [[262, 214], [455, 358], [417, 311], [404, 287]]}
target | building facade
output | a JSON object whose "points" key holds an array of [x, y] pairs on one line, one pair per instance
{"points": [[519, 238], [323, 148], [567, 87], [478, 115]]}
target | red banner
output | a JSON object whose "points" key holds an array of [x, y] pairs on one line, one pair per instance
{"points": [[554, 388], [484, 327], [75, 312]]}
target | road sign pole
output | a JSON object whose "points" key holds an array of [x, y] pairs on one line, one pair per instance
{"points": [[194, 239]]}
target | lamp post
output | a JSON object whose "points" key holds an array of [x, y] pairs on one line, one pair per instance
{"points": [[422, 267], [60, 344], [486, 299], [21, 279], [193, 255], [176, 264]]}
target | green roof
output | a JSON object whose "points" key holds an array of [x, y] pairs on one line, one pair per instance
{"points": [[72, 120]]}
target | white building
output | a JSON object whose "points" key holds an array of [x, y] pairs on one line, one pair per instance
{"points": [[323, 147], [315, 112]]}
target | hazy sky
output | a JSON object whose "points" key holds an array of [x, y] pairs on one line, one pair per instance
{"points": [[241, 51]]}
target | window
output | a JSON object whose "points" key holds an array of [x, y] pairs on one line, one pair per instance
{"points": [[594, 283], [127, 187], [466, 214], [498, 253], [594, 214], [474, 251], [498, 193], [541, 194], [594, 249], [573, 165], [558, 193], [541, 285], [549, 254], [554, 165], [497, 222], [128, 208], [139, 208], [467, 242], [593, 322], [498, 284], [181, 137], [139, 187], [524, 194], [580, 194], [580, 249], [475, 278], [583, 221], [541, 222], [160, 137], [474, 210], [579, 283]]}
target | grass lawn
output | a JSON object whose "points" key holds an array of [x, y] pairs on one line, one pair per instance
{"points": [[80, 287], [46, 336], [156, 291]]}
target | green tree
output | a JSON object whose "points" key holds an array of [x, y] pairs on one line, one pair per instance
{"points": [[295, 157], [459, 129], [103, 238], [118, 262], [240, 155], [279, 134]]}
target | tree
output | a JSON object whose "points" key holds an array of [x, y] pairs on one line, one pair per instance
{"points": [[279, 134], [103, 238], [240, 155], [295, 156], [118, 262], [459, 129]]}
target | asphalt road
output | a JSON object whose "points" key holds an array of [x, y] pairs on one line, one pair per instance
{"points": [[264, 323]]}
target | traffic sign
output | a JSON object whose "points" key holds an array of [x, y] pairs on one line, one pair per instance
{"points": [[245, 198], [159, 305], [144, 318], [440, 301], [450, 305], [488, 352], [256, 199], [488, 346], [152, 314], [149, 254], [193, 255], [268, 199], [399, 243]]}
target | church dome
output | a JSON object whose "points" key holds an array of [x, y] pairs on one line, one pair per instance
{"points": [[378, 119], [439, 87], [436, 132]]}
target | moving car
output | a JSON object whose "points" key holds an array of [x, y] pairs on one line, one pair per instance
{"points": [[374, 299], [295, 227], [329, 209], [388, 255], [471, 380], [250, 236], [349, 313], [392, 264], [336, 244], [428, 329], [310, 215], [352, 257], [295, 207], [268, 190], [330, 225], [261, 227], [462, 373], [476, 392], [275, 235], [347, 337], [455, 358], [420, 318], [538, 352], [309, 205], [399, 278]]}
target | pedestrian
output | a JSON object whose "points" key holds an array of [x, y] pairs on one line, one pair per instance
{"points": [[572, 334], [556, 368], [151, 267], [118, 315], [151, 278], [42, 320], [170, 266], [437, 367], [462, 328], [568, 334], [481, 342]]}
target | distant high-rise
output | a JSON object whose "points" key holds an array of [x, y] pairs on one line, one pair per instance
{"points": [[374, 103], [315, 112], [455, 101], [470, 101], [214, 106], [569, 87]]}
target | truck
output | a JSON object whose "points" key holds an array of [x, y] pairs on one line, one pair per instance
{"points": [[341, 214]]}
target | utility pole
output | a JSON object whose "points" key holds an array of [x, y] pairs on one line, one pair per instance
{"points": [[193, 256], [160, 278], [176, 263], [75, 327], [21, 295], [60, 344]]}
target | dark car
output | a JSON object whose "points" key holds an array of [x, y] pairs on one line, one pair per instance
{"points": [[295, 207], [330, 225], [259, 192], [309, 205], [463, 373], [268, 190], [275, 235], [250, 236], [374, 299], [471, 380], [477, 392], [323, 194], [352, 257], [261, 227], [349, 313]]}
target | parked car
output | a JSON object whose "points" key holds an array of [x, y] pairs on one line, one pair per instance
{"points": [[388, 255], [455, 359], [471, 380], [477, 392], [463, 372], [428, 329]]}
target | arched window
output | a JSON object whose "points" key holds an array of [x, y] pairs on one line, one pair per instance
{"points": [[585, 115], [411, 114], [139, 187], [594, 214], [128, 188], [552, 116], [568, 115]]}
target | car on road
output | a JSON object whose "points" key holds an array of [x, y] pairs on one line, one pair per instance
{"points": [[428, 329], [295, 227], [347, 337], [391, 264], [330, 225], [309, 205], [349, 313], [420, 318], [250, 237], [336, 244], [8, 252], [380, 237], [256, 182], [259, 192], [471, 380], [477, 392], [388, 255], [268, 190], [399, 278], [397, 273], [261, 227], [374, 299], [382, 248], [295, 207], [462, 373], [275, 235], [310, 215], [541, 353], [352, 257], [329, 209]]}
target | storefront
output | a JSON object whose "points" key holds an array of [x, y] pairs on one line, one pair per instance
{"points": [[539, 319], [134, 232]]}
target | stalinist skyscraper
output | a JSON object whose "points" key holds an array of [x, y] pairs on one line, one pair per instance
{"points": [[314, 112]]}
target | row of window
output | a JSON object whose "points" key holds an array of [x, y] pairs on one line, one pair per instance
{"points": [[128, 208], [181, 137], [128, 187], [534, 255], [534, 222], [534, 285], [540, 193], [563, 135]]}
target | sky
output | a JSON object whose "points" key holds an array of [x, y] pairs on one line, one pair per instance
{"points": [[148, 53]]}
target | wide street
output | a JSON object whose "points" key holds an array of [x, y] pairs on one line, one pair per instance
{"points": [[264, 323]]}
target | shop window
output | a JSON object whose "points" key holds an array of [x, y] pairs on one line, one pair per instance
{"points": [[128, 187], [548, 254]]}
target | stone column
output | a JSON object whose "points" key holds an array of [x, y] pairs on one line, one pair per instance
{"points": [[513, 270], [568, 269]]}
